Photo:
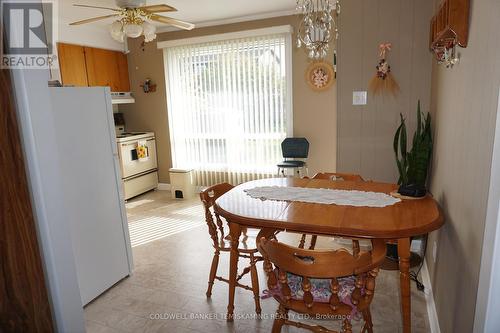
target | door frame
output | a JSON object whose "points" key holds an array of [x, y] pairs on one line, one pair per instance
{"points": [[486, 317], [24, 300]]}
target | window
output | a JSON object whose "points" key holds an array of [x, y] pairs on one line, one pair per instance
{"points": [[229, 104]]}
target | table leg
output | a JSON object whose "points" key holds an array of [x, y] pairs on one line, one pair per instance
{"points": [[235, 232], [404, 280]]}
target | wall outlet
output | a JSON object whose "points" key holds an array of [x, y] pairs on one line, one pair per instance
{"points": [[359, 97], [434, 251], [416, 245]]}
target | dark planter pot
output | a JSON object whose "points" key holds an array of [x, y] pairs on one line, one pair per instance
{"points": [[391, 262], [392, 252], [412, 190]]}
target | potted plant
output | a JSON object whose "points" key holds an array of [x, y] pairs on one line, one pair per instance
{"points": [[413, 164]]}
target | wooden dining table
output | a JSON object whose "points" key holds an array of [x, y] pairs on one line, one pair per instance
{"points": [[397, 222]]}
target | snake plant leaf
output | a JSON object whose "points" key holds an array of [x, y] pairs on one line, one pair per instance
{"points": [[427, 127], [399, 163], [403, 144], [396, 141], [401, 172]]}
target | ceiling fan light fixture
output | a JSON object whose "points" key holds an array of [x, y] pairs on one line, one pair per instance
{"points": [[116, 30], [132, 19], [116, 27], [148, 28], [149, 31], [149, 38], [132, 30], [120, 38]]}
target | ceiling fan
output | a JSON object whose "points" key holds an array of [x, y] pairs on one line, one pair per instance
{"points": [[132, 19]]}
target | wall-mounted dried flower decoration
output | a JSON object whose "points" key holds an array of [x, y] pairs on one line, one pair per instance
{"points": [[320, 75], [383, 81]]}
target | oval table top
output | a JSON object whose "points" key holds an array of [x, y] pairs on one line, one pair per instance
{"points": [[403, 219]]}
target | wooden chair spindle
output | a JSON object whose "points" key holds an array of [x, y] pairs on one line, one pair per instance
{"points": [[285, 288], [272, 283], [220, 225], [308, 297], [302, 241], [334, 298], [356, 294], [370, 283], [355, 248]]}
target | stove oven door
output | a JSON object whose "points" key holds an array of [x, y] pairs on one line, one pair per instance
{"points": [[131, 164]]}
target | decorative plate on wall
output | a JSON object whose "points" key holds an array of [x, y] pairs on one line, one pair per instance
{"points": [[320, 75]]}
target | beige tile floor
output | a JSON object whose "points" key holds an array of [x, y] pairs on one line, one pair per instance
{"points": [[166, 293]]}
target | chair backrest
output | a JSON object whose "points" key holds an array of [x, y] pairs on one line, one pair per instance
{"points": [[215, 227], [338, 176], [295, 148], [322, 264]]}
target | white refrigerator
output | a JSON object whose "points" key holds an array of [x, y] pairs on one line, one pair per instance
{"points": [[91, 177]]}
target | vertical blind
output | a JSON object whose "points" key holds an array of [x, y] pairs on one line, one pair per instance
{"points": [[228, 107]]}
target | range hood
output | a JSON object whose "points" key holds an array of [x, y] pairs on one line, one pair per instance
{"points": [[122, 98]]}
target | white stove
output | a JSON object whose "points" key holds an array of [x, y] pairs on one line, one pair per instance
{"points": [[139, 173], [127, 136]]}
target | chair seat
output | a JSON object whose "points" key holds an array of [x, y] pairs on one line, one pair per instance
{"points": [[320, 289], [291, 164]]}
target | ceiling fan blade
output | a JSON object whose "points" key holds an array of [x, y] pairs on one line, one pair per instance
{"points": [[174, 22], [93, 19], [98, 7], [158, 8]]}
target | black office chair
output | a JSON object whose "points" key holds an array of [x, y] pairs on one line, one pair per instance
{"points": [[293, 149]]}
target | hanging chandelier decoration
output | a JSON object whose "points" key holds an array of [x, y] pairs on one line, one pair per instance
{"points": [[318, 26]]}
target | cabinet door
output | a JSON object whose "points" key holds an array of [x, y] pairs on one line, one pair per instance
{"points": [[107, 68], [72, 65], [123, 83]]}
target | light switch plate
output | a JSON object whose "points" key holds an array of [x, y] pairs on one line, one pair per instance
{"points": [[359, 98]]}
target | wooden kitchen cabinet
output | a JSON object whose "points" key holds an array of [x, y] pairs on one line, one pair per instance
{"points": [[97, 67], [107, 68], [72, 64]]}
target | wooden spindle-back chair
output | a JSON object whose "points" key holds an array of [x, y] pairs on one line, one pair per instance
{"points": [[217, 230], [338, 176], [328, 283]]}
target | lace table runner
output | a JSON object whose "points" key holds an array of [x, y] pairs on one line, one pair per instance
{"points": [[323, 196]]}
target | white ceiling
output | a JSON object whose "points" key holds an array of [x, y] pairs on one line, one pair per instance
{"points": [[200, 12]]}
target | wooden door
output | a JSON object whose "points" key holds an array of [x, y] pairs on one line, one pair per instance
{"points": [[107, 68], [24, 301], [72, 65]]}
